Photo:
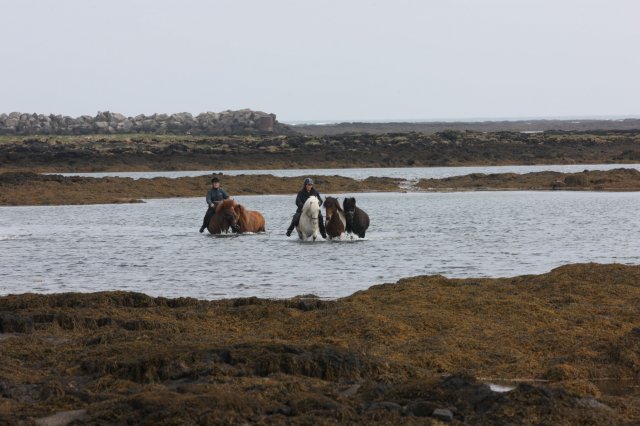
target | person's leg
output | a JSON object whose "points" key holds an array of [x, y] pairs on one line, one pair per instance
{"points": [[294, 222], [323, 231], [207, 218]]}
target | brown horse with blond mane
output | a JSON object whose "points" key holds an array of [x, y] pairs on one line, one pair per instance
{"points": [[234, 216], [248, 220]]}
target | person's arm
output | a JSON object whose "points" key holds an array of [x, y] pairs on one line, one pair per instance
{"points": [[299, 202], [225, 196], [209, 197], [317, 194]]}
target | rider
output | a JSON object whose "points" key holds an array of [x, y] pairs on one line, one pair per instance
{"points": [[214, 196], [307, 191]]}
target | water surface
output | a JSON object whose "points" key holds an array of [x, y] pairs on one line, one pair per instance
{"points": [[155, 247], [411, 173]]}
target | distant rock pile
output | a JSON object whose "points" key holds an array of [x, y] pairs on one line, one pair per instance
{"points": [[243, 121]]}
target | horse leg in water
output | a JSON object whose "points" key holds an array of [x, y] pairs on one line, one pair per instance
{"points": [[323, 231], [294, 222], [360, 222], [207, 218], [308, 229]]}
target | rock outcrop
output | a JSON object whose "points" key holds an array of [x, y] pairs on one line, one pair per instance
{"points": [[239, 122]]}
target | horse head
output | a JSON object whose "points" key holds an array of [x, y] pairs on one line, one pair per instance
{"points": [[331, 206], [227, 209], [349, 206]]}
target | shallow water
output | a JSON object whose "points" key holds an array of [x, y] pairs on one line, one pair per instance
{"points": [[410, 173], [155, 248]]}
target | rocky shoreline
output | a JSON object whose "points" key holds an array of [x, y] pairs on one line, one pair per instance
{"points": [[431, 127], [242, 122], [142, 152], [415, 352], [29, 188]]}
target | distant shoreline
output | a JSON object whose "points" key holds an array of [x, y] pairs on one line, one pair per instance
{"points": [[446, 148], [18, 189], [491, 125], [462, 120]]}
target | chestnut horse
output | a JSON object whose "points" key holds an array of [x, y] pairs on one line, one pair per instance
{"points": [[248, 220], [336, 221], [357, 219], [223, 218]]}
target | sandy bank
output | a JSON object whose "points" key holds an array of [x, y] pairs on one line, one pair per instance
{"points": [[384, 355]]}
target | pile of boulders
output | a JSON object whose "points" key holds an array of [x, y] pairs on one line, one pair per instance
{"points": [[228, 122]]}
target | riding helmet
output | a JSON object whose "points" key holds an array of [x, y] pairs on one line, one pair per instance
{"points": [[214, 180], [308, 181]]}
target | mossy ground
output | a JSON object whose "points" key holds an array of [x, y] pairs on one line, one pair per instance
{"points": [[144, 152], [388, 355]]}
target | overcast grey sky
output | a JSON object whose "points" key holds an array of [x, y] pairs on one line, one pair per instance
{"points": [[323, 60]]}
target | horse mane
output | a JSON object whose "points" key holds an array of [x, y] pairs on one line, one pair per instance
{"points": [[249, 220], [335, 200], [242, 212], [312, 199], [351, 201], [224, 204]]}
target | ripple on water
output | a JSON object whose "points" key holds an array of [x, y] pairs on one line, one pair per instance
{"points": [[94, 248]]}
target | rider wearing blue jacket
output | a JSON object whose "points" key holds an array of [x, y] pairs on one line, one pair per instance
{"points": [[307, 191], [214, 196]]}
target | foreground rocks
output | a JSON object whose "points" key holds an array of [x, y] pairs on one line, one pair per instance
{"points": [[412, 352], [33, 189]]}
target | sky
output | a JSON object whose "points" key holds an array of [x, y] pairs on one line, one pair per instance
{"points": [[333, 60]]}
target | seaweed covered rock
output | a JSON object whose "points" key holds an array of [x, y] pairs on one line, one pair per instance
{"points": [[424, 349]]}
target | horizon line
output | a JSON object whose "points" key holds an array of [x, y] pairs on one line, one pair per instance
{"points": [[613, 117]]}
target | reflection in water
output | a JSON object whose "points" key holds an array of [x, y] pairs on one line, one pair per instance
{"points": [[155, 247]]}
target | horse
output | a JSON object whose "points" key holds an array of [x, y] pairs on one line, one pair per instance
{"points": [[308, 228], [249, 220], [357, 219], [336, 221], [223, 218]]}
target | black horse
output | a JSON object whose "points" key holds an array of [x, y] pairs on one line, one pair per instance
{"points": [[357, 219]]}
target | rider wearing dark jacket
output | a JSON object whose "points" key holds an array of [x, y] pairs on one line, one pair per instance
{"points": [[214, 195], [307, 191]]}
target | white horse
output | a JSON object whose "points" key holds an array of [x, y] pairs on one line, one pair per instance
{"points": [[308, 228]]}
